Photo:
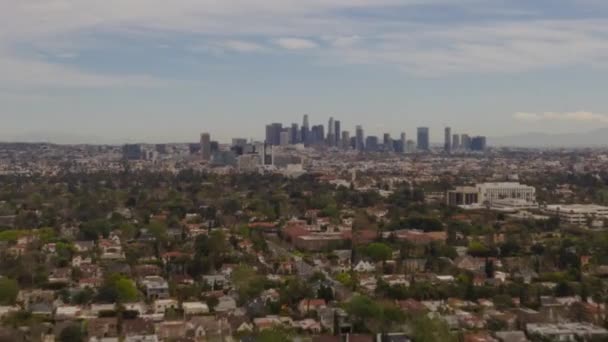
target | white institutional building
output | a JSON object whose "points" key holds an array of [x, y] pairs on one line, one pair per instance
{"points": [[499, 194], [491, 192]]}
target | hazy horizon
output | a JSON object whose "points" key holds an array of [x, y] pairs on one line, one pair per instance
{"points": [[160, 71]]}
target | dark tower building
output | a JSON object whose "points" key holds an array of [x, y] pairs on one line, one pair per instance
{"points": [[371, 143], [305, 136], [359, 139], [478, 143], [273, 133], [387, 142], [447, 141], [423, 138], [206, 146], [455, 141], [294, 133], [337, 133], [465, 142]]}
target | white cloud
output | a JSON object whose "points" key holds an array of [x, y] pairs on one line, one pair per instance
{"points": [[580, 116], [20, 72], [483, 48], [296, 43], [422, 49], [242, 46]]}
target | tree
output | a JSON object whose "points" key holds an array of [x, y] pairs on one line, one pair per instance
{"points": [[478, 249], [502, 301], [326, 293], [83, 297], [489, 268], [127, 292], [248, 282], [426, 329], [71, 333], [8, 291], [212, 302], [347, 279], [378, 251], [363, 309], [428, 224], [158, 230], [584, 292], [91, 230], [128, 231], [118, 288], [563, 289], [294, 291], [274, 335]]}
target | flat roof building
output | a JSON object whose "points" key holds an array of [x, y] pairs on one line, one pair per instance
{"points": [[577, 213], [489, 193]]}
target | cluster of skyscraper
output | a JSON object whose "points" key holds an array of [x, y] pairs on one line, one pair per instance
{"points": [[462, 142], [277, 134]]}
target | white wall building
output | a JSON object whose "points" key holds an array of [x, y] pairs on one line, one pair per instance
{"points": [[577, 213], [511, 195], [513, 204], [490, 192]]}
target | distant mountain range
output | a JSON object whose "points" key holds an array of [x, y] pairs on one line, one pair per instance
{"points": [[595, 138]]}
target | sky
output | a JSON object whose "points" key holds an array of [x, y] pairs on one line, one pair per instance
{"points": [[160, 71]]}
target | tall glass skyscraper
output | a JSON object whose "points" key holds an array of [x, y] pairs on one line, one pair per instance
{"points": [[305, 136], [447, 141], [423, 138], [360, 144]]}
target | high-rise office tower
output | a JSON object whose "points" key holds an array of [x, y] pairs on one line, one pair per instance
{"points": [[317, 134], [273, 133], [345, 143], [133, 151], [337, 132], [206, 146], [305, 136], [371, 143], [359, 138], [447, 141], [423, 138], [268, 139], [294, 138], [465, 142], [403, 143], [331, 139], [284, 139], [387, 142], [478, 143], [455, 141], [215, 147], [277, 128]]}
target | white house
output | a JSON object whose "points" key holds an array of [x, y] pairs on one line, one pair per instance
{"points": [[195, 308], [364, 266], [162, 305]]}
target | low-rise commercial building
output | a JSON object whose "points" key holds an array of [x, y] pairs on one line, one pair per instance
{"points": [[579, 214]]}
